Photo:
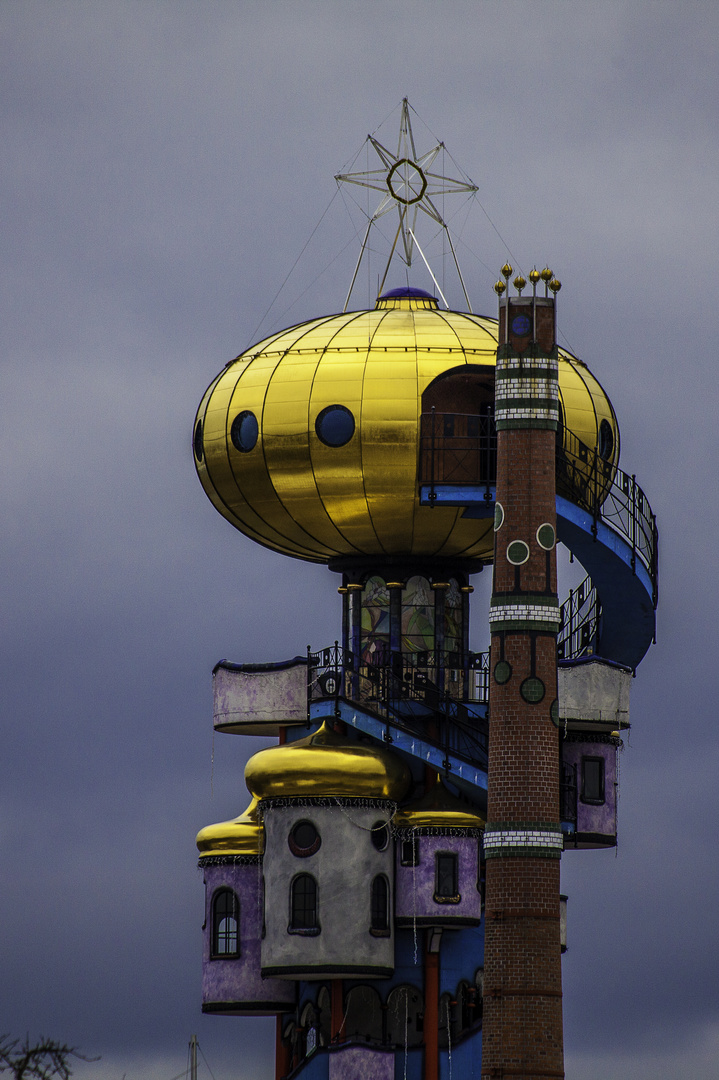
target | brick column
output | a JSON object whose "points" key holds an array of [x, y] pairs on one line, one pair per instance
{"points": [[522, 1024]]}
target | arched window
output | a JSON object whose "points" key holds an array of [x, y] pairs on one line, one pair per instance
{"points": [[363, 1014], [404, 1009], [225, 924], [304, 917], [379, 918]]}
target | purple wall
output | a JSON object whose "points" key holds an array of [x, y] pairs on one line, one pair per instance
{"points": [[415, 885], [601, 820], [235, 986]]}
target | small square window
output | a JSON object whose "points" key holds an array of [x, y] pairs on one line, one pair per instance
{"points": [[593, 780], [409, 854], [446, 883]]}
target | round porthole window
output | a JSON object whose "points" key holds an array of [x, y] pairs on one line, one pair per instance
{"points": [[197, 441], [304, 840], [244, 431], [335, 425], [380, 835], [606, 440]]}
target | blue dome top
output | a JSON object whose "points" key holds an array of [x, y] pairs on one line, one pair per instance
{"points": [[407, 291]]}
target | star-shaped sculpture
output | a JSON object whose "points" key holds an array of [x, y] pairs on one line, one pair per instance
{"points": [[408, 184]]}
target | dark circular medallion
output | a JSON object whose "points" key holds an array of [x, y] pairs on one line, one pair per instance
{"points": [[532, 690], [498, 516], [521, 325], [502, 672], [304, 840], [545, 536], [517, 552], [197, 441], [554, 712]]}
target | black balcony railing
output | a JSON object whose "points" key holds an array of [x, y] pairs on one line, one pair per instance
{"points": [[429, 700], [581, 613]]}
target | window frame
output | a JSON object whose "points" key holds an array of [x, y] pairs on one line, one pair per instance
{"points": [[377, 930], [218, 917], [586, 799], [293, 927], [442, 896]]}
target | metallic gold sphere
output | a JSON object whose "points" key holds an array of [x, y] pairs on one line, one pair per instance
{"points": [[325, 763], [240, 836], [507, 270], [265, 466], [555, 285], [438, 809], [519, 283], [547, 274], [499, 287], [534, 276]]}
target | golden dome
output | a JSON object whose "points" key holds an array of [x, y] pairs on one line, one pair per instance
{"points": [[438, 809], [241, 836], [325, 763], [309, 442]]}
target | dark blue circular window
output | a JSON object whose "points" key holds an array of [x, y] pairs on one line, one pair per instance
{"points": [[606, 440], [244, 431], [197, 441], [335, 425]]}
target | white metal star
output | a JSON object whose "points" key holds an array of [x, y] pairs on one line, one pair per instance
{"points": [[407, 184]]}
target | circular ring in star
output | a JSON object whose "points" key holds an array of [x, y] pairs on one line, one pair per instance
{"points": [[409, 186]]}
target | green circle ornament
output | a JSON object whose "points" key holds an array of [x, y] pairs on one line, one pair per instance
{"points": [[498, 516], [554, 712], [546, 537], [517, 552], [502, 672], [532, 690]]}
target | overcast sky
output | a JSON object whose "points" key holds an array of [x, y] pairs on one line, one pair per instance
{"points": [[163, 165]]}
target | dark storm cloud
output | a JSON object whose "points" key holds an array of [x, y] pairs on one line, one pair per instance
{"points": [[163, 166]]}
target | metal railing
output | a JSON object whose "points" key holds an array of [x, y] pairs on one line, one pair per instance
{"points": [[449, 455], [581, 613], [426, 701]]}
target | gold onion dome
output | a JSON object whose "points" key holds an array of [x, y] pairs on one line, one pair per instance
{"points": [[326, 763], [309, 442], [240, 836], [438, 809]]}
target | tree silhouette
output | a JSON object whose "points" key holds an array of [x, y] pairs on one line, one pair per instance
{"points": [[41, 1060]]}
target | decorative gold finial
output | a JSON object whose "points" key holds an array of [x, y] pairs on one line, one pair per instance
{"points": [[555, 285], [507, 271], [519, 283], [534, 276], [546, 274], [499, 287]]}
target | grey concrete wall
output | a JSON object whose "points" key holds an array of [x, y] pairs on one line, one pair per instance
{"points": [[343, 868], [259, 701], [594, 691]]}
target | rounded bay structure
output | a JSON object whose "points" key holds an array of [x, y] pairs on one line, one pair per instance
{"points": [[312, 442]]}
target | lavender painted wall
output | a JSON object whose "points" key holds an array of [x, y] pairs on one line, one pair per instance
{"points": [[235, 986], [601, 819], [415, 885], [361, 1063]]}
